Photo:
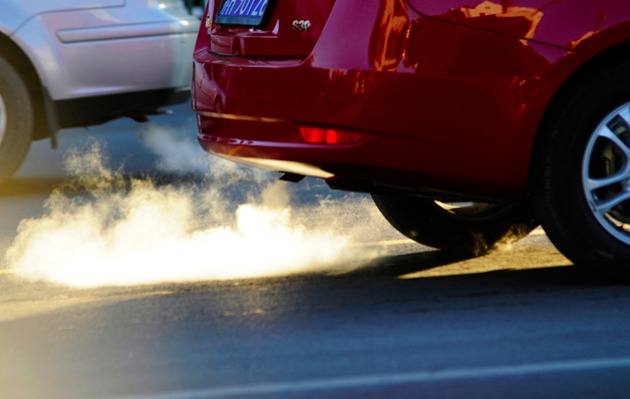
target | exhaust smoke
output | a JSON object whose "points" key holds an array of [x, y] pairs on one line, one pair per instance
{"points": [[107, 229]]}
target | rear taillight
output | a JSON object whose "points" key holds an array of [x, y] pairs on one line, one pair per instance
{"points": [[315, 135]]}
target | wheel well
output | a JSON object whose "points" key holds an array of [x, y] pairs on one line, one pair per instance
{"points": [[14, 55], [610, 56]]}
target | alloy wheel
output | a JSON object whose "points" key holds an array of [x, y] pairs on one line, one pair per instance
{"points": [[606, 173]]}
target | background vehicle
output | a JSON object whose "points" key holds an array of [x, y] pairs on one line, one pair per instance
{"points": [[469, 122], [66, 63]]}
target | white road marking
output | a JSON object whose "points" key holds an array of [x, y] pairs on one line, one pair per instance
{"points": [[380, 380]]}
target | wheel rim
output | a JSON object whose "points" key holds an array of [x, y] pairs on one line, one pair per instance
{"points": [[606, 173], [3, 119]]}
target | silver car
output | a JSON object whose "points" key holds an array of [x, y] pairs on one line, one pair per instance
{"points": [[66, 63]]}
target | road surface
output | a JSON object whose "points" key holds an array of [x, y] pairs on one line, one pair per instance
{"points": [[389, 319]]}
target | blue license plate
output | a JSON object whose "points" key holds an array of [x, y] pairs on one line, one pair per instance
{"points": [[243, 12]]}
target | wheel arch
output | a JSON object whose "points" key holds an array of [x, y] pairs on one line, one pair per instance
{"points": [[13, 54], [617, 53]]}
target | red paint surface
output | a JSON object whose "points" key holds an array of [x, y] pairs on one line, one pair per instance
{"points": [[449, 93]]}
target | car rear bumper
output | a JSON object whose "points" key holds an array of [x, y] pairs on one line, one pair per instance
{"points": [[376, 163]]}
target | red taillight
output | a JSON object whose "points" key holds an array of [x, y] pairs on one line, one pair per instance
{"points": [[316, 135]]}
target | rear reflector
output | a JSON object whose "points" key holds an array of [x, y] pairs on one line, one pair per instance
{"points": [[315, 135]]}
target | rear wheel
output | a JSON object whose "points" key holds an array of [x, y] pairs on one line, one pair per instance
{"points": [[584, 196], [16, 120], [471, 228]]}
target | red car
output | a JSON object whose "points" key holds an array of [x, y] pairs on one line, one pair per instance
{"points": [[470, 122]]}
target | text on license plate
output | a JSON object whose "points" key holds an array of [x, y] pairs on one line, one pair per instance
{"points": [[242, 12]]}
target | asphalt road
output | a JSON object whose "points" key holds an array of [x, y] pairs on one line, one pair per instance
{"points": [[388, 318]]}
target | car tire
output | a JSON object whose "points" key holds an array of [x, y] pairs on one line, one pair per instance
{"points": [[583, 196], [470, 229], [16, 120]]}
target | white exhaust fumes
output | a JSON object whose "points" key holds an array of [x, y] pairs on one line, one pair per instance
{"points": [[108, 230]]}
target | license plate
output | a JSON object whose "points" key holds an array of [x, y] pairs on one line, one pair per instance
{"points": [[243, 12]]}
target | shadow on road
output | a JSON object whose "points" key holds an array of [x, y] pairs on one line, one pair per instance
{"points": [[398, 265], [527, 266]]}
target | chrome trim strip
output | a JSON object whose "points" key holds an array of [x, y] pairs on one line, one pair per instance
{"points": [[234, 117], [115, 32]]}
